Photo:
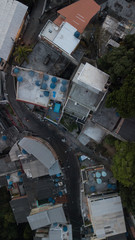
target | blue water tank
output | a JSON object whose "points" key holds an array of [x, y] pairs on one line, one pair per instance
{"points": [[16, 70], [53, 201], [60, 193], [65, 228], [50, 199], [10, 183], [20, 79], [54, 79], [77, 34], [7, 177], [46, 93], [92, 189], [37, 83], [64, 82], [63, 88], [24, 152], [21, 179], [45, 77], [58, 174], [0, 59], [55, 224], [4, 137], [52, 85], [31, 73], [19, 173], [44, 86]]}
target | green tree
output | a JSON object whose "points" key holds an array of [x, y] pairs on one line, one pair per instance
{"points": [[21, 53], [123, 163], [120, 65]]}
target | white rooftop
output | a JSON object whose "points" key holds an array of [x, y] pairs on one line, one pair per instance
{"points": [[107, 216], [56, 232], [28, 91], [11, 17], [63, 36], [91, 78]]}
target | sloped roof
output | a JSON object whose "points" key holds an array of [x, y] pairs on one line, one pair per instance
{"points": [[44, 217], [39, 150], [79, 13], [11, 18]]}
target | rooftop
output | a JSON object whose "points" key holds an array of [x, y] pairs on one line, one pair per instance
{"points": [[44, 216], [60, 232], [42, 151], [78, 14], [56, 65], [11, 17], [20, 208], [106, 117], [39, 88], [88, 89], [62, 37], [107, 215], [91, 77], [127, 130]]}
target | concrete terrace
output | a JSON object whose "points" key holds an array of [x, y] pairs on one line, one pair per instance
{"points": [[37, 88]]}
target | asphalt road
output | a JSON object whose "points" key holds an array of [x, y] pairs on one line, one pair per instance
{"points": [[65, 154]]}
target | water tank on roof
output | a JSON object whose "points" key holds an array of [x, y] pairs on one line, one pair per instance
{"points": [[55, 224], [44, 86], [4, 137], [54, 79], [8, 177], [45, 77], [60, 193], [65, 228], [19, 173], [0, 59], [46, 93], [10, 183], [24, 152], [16, 70], [64, 82], [63, 88], [52, 85], [20, 79], [77, 34], [31, 73], [37, 83]]}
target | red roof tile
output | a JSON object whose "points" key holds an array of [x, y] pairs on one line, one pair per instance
{"points": [[78, 14]]}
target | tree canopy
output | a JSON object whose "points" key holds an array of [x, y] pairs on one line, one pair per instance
{"points": [[21, 53], [123, 163], [119, 63]]}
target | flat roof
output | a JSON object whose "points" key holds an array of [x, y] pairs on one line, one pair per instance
{"points": [[91, 77], [57, 233], [106, 117], [127, 130], [11, 17], [106, 215], [79, 14], [31, 88], [63, 36]]}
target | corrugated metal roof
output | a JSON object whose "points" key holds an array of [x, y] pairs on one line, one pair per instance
{"points": [[20, 208], [79, 13], [11, 16], [38, 150], [46, 217]]}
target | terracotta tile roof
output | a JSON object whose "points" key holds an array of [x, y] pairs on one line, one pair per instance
{"points": [[59, 20], [78, 14]]}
